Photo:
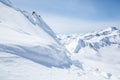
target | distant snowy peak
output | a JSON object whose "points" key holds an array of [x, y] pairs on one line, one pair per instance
{"points": [[107, 31], [104, 32], [110, 29], [74, 43]]}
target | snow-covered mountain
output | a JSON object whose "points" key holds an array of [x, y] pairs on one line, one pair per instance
{"points": [[95, 40], [29, 36], [99, 53], [30, 50]]}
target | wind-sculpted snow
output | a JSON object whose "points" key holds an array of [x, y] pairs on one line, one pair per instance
{"points": [[39, 54], [29, 36], [29, 50]]}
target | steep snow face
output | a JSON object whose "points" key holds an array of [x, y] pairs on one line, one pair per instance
{"points": [[7, 2], [39, 21], [94, 40], [21, 35]]}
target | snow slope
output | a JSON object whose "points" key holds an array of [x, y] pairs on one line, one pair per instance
{"points": [[13, 67], [99, 53], [29, 50], [28, 36], [105, 66]]}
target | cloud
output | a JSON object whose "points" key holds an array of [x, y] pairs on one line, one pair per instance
{"points": [[61, 24], [68, 16]]}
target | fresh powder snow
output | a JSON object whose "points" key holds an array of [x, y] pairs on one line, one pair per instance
{"points": [[36, 42], [30, 50]]}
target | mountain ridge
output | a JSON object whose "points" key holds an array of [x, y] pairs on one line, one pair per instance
{"points": [[21, 35], [96, 40]]}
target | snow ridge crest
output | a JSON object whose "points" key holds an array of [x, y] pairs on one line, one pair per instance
{"points": [[6, 2]]}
